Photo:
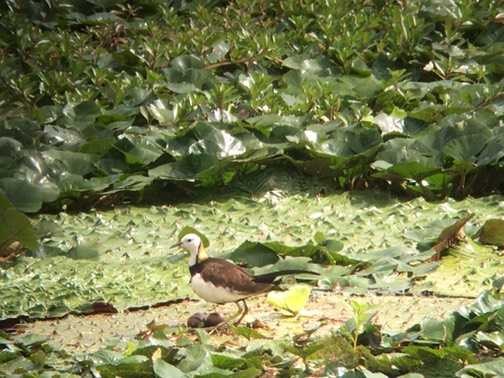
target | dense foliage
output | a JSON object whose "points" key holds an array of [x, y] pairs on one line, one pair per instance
{"points": [[108, 102], [102, 101]]}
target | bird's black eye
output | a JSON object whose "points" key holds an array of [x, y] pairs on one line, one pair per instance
{"points": [[189, 240]]}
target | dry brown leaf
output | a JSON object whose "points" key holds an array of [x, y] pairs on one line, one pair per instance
{"points": [[450, 236]]}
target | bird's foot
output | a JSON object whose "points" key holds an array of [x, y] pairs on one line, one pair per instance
{"points": [[220, 329]]}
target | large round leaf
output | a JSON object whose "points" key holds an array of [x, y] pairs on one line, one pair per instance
{"points": [[15, 226], [28, 197]]}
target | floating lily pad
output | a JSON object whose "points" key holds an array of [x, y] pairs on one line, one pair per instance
{"points": [[293, 300], [492, 232]]}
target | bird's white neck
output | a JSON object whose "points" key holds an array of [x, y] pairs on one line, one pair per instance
{"points": [[197, 255], [193, 258]]}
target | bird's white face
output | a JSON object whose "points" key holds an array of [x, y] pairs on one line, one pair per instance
{"points": [[192, 244]]}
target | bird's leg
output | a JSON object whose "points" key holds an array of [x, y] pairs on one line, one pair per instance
{"points": [[240, 310], [227, 321], [234, 316], [245, 311]]}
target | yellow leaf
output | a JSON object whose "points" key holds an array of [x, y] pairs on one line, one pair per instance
{"points": [[156, 355], [292, 300]]}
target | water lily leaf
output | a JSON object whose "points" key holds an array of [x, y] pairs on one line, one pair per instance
{"points": [[186, 75], [163, 369], [161, 112], [389, 123], [126, 183], [358, 86], [139, 149], [86, 109], [73, 162], [28, 197], [293, 300], [196, 357], [128, 367], [276, 126], [343, 142], [184, 62], [439, 9], [62, 137], [333, 369], [180, 170], [443, 362], [493, 152], [494, 340], [219, 51], [408, 159], [326, 252], [181, 88], [253, 254], [97, 146], [493, 368], [15, 226], [466, 147], [318, 66], [248, 333], [492, 232], [435, 330], [217, 142]]}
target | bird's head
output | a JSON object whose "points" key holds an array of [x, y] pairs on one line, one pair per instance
{"points": [[192, 243]]}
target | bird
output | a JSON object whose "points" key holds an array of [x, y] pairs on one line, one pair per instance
{"points": [[219, 281]]}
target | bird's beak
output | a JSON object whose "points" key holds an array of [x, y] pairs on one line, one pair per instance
{"points": [[176, 245]]}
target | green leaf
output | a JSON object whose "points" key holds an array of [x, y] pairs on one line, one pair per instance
{"points": [[438, 330], [490, 369], [161, 112], [28, 197], [440, 9], [163, 369], [219, 51], [493, 152], [293, 300], [247, 332], [126, 370], [318, 66], [492, 232], [74, 162], [253, 254], [139, 149], [15, 226], [227, 361], [404, 153]]}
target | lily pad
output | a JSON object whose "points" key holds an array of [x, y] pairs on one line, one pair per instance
{"points": [[293, 300], [492, 232], [15, 227]]}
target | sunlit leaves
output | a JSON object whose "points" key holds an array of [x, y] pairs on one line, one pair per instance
{"points": [[120, 86]]}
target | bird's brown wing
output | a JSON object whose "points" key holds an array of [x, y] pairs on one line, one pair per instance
{"points": [[223, 273]]}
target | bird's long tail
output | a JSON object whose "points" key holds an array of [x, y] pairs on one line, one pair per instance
{"points": [[270, 277]]}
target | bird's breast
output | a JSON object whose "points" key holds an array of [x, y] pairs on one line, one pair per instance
{"points": [[212, 293]]}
